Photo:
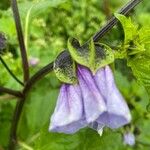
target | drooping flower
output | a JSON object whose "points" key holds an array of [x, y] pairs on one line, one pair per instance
{"points": [[95, 101], [129, 138], [68, 116], [117, 113]]}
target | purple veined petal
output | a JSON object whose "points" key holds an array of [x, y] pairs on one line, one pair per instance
{"points": [[68, 116], [129, 139], [94, 104], [118, 113]]}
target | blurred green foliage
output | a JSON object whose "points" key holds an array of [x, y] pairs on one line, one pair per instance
{"points": [[47, 24]]}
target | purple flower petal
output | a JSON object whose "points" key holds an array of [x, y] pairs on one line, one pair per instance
{"points": [[68, 116], [33, 61], [129, 139], [94, 104], [118, 113]]}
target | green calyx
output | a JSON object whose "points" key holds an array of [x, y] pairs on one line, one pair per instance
{"points": [[92, 55], [65, 69]]}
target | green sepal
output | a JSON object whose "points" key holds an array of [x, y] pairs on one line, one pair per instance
{"points": [[64, 68], [92, 55]]}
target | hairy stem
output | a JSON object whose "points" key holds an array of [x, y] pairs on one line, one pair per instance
{"points": [[21, 40], [10, 72]]}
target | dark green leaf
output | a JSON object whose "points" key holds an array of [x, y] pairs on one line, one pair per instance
{"points": [[64, 68]]}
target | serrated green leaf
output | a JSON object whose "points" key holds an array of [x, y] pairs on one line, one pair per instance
{"points": [[141, 68], [64, 68], [134, 39], [144, 35], [92, 55], [130, 29]]}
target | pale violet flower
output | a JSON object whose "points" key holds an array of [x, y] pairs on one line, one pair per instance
{"points": [[68, 116], [33, 61], [117, 113], [129, 139], [95, 102]]}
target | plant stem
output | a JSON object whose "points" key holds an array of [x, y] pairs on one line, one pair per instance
{"points": [[14, 125], [19, 105], [21, 40], [10, 72], [11, 92], [41, 73]]}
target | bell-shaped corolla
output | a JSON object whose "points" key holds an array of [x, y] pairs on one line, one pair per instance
{"points": [[68, 116], [117, 113]]}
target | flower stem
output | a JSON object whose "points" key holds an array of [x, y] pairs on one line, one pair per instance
{"points": [[14, 125], [21, 40], [10, 72], [41, 73], [10, 91]]}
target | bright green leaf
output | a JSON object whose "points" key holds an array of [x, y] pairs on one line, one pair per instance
{"points": [[130, 29]]}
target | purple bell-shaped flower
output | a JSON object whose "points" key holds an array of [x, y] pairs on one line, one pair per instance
{"points": [[95, 101], [129, 139], [117, 113]]}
